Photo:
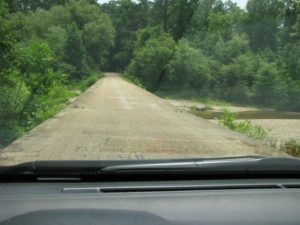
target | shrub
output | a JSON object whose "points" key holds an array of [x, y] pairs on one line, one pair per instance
{"points": [[270, 87], [291, 147], [228, 119], [189, 66], [89, 81], [134, 80], [151, 61]]}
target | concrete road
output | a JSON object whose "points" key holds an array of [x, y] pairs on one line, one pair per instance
{"points": [[115, 119]]}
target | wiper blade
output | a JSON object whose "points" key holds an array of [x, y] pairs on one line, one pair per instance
{"points": [[235, 165], [143, 169]]}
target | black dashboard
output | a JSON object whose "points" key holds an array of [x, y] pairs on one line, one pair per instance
{"points": [[190, 202]]}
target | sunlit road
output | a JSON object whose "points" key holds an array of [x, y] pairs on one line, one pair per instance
{"points": [[115, 119]]}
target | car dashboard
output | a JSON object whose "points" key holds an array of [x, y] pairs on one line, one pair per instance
{"points": [[185, 202]]}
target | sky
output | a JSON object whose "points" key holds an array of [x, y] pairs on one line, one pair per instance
{"points": [[241, 3]]}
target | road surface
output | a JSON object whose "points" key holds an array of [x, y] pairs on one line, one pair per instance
{"points": [[115, 119]]}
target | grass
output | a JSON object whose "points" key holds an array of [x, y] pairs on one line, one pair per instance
{"points": [[44, 107], [207, 107], [228, 119], [251, 114], [47, 106], [291, 147], [134, 80], [85, 83]]}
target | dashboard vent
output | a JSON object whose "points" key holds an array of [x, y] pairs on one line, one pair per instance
{"points": [[123, 189], [185, 188]]}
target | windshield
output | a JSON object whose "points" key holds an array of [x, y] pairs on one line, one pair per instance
{"points": [[161, 79]]}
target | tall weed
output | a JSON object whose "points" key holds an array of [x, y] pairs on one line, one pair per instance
{"points": [[228, 119]]}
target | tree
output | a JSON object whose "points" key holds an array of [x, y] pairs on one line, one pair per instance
{"points": [[32, 5], [159, 14], [262, 23], [11, 32], [219, 23], [287, 33], [127, 17], [56, 38], [297, 24], [237, 78], [199, 21], [75, 52], [270, 87], [83, 12], [8, 63], [180, 16], [98, 37], [36, 68], [151, 61], [226, 52], [189, 66], [41, 20], [59, 16]]}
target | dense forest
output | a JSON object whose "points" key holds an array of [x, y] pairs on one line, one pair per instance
{"points": [[213, 47]]}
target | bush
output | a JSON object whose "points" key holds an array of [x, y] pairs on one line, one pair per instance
{"points": [[270, 87], [294, 96], [151, 61], [89, 81], [189, 66], [134, 80], [228, 119], [44, 107], [291, 147]]}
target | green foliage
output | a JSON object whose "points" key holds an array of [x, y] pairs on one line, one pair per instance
{"points": [[291, 147], [75, 28], [200, 21], [219, 23], [270, 87], [83, 12], [89, 81], [8, 38], [97, 35], [41, 46], [42, 108], [127, 18], [133, 79], [263, 21], [294, 93], [27, 5], [177, 16], [228, 119], [236, 46], [41, 20], [36, 62], [205, 49], [75, 52], [12, 96], [189, 66], [56, 37], [151, 60], [46, 106]]}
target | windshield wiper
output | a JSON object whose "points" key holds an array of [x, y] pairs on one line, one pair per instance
{"points": [[155, 169], [235, 165]]}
